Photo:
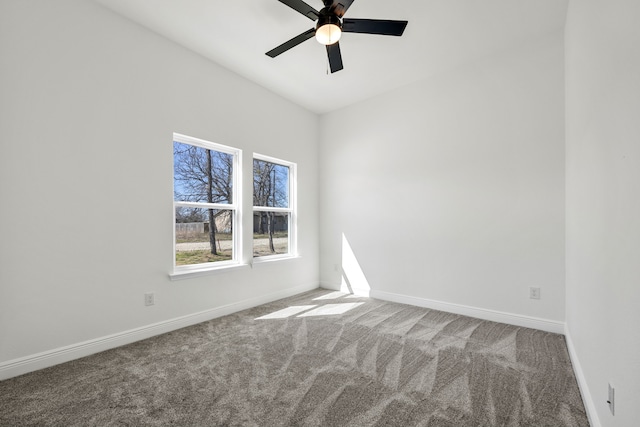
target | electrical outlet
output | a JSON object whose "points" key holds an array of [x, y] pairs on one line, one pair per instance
{"points": [[534, 293], [149, 299], [611, 401]]}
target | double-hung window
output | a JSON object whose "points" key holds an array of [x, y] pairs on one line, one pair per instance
{"points": [[274, 213], [206, 204]]}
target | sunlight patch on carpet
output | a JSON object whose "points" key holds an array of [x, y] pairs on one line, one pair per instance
{"points": [[332, 295], [286, 312], [330, 309]]}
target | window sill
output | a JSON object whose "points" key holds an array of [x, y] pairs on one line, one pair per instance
{"points": [[270, 260], [187, 274], [212, 271]]}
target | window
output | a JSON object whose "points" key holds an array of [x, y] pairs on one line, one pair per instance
{"points": [[274, 213], [206, 198]]}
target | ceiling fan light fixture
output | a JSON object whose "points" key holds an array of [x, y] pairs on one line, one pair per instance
{"points": [[328, 34], [328, 28]]}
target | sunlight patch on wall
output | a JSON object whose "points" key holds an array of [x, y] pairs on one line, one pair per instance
{"points": [[353, 278]]}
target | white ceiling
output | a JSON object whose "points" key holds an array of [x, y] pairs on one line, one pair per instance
{"points": [[441, 34]]}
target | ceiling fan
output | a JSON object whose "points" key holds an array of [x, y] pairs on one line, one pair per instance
{"points": [[330, 25]]}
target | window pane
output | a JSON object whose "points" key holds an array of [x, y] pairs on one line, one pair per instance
{"points": [[270, 184], [197, 242], [201, 175], [270, 233]]}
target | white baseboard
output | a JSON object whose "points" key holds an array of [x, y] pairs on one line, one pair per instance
{"points": [[481, 313], [23, 365], [594, 420]]}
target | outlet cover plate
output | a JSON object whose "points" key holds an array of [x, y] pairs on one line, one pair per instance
{"points": [[149, 299], [534, 293]]}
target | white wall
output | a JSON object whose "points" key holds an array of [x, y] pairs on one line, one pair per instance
{"points": [[452, 189], [464, 173], [88, 105], [603, 202]]}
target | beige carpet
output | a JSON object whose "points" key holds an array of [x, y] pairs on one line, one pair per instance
{"points": [[305, 361]]}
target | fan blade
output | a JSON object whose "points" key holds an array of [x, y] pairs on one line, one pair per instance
{"points": [[291, 43], [374, 26], [335, 58], [302, 7], [339, 7]]}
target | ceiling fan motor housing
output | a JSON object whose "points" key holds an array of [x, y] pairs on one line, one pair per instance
{"points": [[327, 17]]}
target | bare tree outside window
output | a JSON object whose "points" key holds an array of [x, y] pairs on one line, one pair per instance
{"points": [[203, 180], [271, 189]]}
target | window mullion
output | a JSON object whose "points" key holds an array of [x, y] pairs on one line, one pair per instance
{"points": [[271, 209], [219, 206]]}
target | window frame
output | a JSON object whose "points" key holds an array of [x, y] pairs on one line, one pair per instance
{"points": [[235, 207], [292, 210]]}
